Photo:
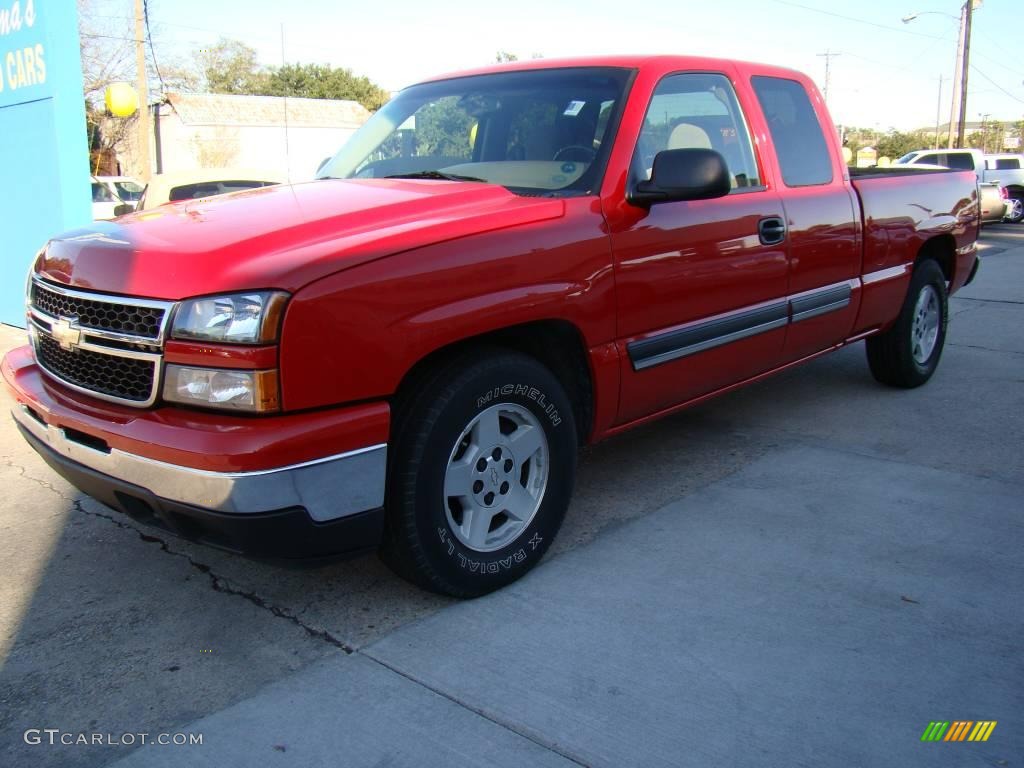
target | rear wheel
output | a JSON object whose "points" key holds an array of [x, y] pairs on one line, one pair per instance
{"points": [[481, 475], [1015, 209], [908, 353]]}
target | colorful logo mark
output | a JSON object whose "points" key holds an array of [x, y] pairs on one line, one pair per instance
{"points": [[958, 730]]}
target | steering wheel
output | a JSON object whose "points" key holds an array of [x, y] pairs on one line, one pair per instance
{"points": [[576, 153]]}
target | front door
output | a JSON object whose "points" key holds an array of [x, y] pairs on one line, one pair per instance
{"points": [[701, 285]]}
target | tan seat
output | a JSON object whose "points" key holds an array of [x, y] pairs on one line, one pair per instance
{"points": [[688, 136]]}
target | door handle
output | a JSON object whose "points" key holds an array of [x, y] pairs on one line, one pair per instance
{"points": [[771, 230]]}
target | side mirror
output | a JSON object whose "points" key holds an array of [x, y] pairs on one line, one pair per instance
{"points": [[683, 174], [123, 208]]}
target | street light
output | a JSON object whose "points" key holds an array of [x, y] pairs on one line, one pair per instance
{"points": [[963, 65], [911, 16]]}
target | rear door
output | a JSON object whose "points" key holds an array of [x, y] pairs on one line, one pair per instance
{"points": [[701, 285], [822, 217]]}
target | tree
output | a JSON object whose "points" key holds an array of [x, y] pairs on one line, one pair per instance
{"points": [[231, 66], [321, 81], [504, 57], [990, 138], [105, 47], [895, 143]]}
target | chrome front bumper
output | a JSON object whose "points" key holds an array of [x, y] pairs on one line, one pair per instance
{"points": [[329, 488]]}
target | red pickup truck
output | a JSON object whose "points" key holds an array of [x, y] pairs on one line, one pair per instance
{"points": [[500, 266]]}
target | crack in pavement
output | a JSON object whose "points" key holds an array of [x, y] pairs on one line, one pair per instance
{"points": [[987, 349], [217, 582], [220, 584], [22, 472], [987, 301]]}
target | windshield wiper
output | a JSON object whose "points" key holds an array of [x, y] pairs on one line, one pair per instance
{"points": [[434, 175]]}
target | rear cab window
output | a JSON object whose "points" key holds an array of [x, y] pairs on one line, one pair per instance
{"points": [[962, 161], [800, 145]]}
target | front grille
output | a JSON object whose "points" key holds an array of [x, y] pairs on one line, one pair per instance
{"points": [[100, 314], [106, 346], [120, 377]]}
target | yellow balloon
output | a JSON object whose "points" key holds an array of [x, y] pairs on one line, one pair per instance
{"points": [[472, 135], [847, 155], [121, 99]]}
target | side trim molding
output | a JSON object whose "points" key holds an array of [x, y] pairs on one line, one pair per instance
{"points": [[707, 334], [820, 302], [741, 324], [886, 274]]}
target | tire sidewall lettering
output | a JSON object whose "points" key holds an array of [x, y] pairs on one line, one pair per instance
{"points": [[493, 396]]}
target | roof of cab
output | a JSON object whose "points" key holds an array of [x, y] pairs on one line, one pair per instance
{"points": [[654, 61]]}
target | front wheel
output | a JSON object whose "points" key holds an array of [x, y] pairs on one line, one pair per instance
{"points": [[908, 353], [483, 470]]}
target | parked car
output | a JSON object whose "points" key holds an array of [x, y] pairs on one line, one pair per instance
{"points": [[205, 182], [498, 267], [112, 192], [1005, 170]]}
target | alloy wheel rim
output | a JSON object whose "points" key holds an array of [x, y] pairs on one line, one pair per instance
{"points": [[496, 477], [925, 330]]}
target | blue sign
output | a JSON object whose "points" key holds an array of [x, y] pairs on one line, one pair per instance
{"points": [[44, 156]]}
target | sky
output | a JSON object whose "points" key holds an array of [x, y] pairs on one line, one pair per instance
{"points": [[886, 74]]}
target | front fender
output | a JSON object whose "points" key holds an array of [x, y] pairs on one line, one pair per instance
{"points": [[354, 335]]}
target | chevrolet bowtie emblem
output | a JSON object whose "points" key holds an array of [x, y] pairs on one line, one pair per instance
{"points": [[66, 333]]}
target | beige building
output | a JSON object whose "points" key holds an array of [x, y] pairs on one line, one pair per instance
{"points": [[212, 130]]}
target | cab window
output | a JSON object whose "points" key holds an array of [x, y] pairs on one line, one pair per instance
{"points": [[697, 111], [796, 133]]}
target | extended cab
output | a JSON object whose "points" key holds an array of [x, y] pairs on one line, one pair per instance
{"points": [[500, 266]]}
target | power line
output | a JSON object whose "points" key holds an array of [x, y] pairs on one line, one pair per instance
{"points": [[152, 50], [997, 85]]}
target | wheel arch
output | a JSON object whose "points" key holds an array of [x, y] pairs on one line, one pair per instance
{"points": [[557, 344], [942, 249]]}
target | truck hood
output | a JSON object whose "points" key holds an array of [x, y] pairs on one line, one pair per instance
{"points": [[282, 237]]}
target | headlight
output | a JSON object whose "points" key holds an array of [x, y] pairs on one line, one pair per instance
{"points": [[242, 318], [253, 391]]}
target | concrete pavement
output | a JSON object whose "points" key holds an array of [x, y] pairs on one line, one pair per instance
{"points": [[805, 572]]}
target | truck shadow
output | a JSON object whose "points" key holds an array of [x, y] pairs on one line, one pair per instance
{"points": [[113, 627]]}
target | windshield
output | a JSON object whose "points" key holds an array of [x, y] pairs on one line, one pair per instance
{"points": [[535, 132], [128, 191]]}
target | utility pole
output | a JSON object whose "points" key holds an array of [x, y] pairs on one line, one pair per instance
{"points": [[938, 113], [140, 74], [828, 56], [968, 9], [963, 62], [954, 107]]}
